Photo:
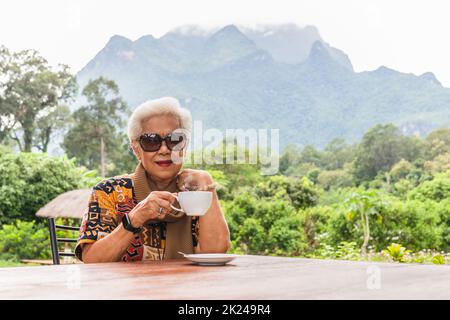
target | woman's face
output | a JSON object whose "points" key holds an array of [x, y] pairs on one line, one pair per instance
{"points": [[159, 164]]}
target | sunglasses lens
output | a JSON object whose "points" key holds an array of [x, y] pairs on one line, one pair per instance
{"points": [[150, 142], [175, 141]]}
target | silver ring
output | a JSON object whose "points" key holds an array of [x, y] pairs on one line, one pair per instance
{"points": [[160, 211]]}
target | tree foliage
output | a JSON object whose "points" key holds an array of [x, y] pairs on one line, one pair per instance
{"points": [[32, 97], [96, 131]]}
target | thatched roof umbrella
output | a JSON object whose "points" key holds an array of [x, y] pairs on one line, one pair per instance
{"points": [[71, 204]]}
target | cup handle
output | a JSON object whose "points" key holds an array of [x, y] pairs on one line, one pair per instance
{"points": [[175, 208]]}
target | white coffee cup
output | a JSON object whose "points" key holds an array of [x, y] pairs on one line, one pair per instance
{"points": [[194, 203]]}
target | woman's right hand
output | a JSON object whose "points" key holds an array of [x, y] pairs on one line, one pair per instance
{"points": [[149, 208]]}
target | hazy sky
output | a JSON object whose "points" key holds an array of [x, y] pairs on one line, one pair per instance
{"points": [[409, 36]]}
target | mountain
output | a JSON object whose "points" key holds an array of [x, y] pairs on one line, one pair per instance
{"points": [[291, 44], [280, 76]]}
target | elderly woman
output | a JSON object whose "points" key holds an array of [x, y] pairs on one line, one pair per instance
{"points": [[130, 217]]}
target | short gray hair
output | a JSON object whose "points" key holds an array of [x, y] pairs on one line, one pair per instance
{"points": [[158, 107]]}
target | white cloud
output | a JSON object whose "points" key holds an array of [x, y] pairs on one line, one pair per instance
{"points": [[409, 36]]}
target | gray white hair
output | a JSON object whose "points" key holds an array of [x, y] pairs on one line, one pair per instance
{"points": [[158, 107]]}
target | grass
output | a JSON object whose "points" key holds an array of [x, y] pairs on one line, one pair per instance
{"points": [[4, 264], [9, 264], [421, 257]]}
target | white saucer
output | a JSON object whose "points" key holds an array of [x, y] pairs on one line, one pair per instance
{"points": [[210, 259]]}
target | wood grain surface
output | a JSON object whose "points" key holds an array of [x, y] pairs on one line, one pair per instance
{"points": [[247, 277]]}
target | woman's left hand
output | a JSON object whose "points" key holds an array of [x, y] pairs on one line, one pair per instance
{"points": [[195, 180]]}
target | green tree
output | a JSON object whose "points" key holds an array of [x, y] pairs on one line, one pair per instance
{"points": [[29, 91], [289, 158], [440, 163], [364, 204], [46, 125], [335, 178], [338, 153], [96, 137], [311, 155], [438, 142], [382, 147], [401, 170]]}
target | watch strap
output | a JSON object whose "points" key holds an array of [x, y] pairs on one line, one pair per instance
{"points": [[128, 226]]}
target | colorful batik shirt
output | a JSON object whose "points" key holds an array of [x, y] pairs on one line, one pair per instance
{"points": [[108, 202]]}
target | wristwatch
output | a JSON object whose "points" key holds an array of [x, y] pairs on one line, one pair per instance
{"points": [[128, 226]]}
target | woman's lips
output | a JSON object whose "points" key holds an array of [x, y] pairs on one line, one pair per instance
{"points": [[164, 163]]}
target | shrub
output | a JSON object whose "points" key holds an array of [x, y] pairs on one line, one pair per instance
{"points": [[416, 224], [402, 187], [286, 236], [344, 250], [28, 181], [442, 209], [251, 237], [315, 223], [300, 192], [397, 252], [263, 225], [24, 240], [437, 189], [438, 259]]}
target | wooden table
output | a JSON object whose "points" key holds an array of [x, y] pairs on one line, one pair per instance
{"points": [[247, 277]]}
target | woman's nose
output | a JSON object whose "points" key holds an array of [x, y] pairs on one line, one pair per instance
{"points": [[164, 149]]}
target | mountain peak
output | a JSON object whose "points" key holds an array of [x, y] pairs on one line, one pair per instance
{"points": [[118, 42], [230, 28], [229, 32], [319, 52], [385, 71], [291, 43], [146, 38], [119, 39], [431, 77], [230, 38]]}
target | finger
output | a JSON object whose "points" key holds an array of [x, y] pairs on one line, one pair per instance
{"points": [[174, 198], [160, 208], [161, 195], [163, 215], [168, 196], [162, 204]]}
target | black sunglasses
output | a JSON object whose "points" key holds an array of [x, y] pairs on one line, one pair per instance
{"points": [[151, 142]]}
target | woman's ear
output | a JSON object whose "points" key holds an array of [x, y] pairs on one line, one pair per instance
{"points": [[136, 149]]}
